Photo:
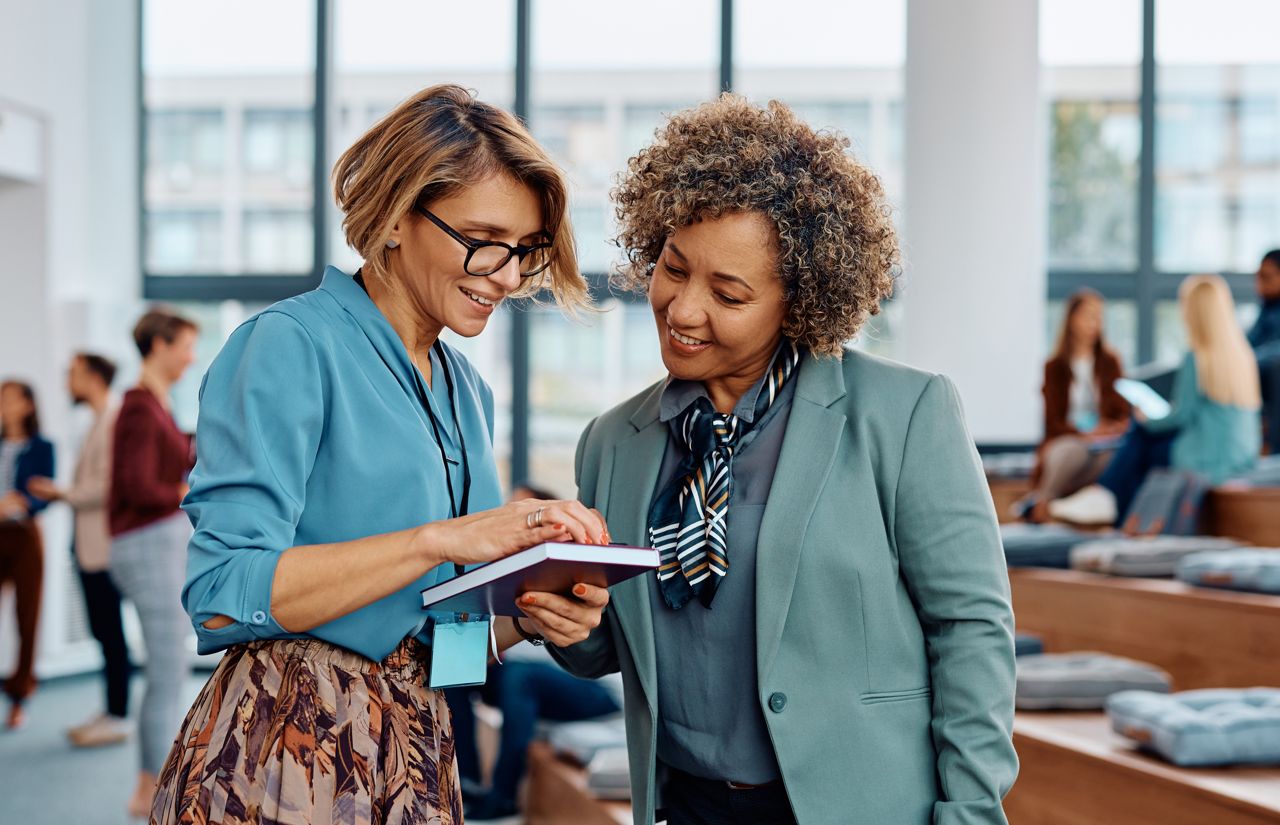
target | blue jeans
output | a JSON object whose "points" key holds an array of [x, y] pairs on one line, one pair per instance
{"points": [[1139, 453], [525, 692], [1269, 373]]}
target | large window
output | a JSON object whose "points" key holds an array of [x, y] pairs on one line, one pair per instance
{"points": [[1164, 154], [228, 112], [1162, 145]]}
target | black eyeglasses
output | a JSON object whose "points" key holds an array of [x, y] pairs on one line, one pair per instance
{"points": [[487, 257]]}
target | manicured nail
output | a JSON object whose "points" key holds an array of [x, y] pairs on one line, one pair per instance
{"points": [[579, 590], [559, 527], [528, 599]]}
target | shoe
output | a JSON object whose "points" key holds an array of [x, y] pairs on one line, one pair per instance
{"points": [[1095, 505], [101, 730], [493, 810]]}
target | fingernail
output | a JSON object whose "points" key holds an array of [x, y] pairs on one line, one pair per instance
{"points": [[528, 599], [559, 527], [579, 590]]}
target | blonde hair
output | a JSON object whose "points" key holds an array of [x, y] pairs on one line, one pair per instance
{"points": [[430, 147], [1226, 369]]}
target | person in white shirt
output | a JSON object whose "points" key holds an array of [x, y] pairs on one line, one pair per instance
{"points": [[89, 382]]}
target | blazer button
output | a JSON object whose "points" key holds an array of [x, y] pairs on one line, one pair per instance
{"points": [[259, 617], [777, 702]]}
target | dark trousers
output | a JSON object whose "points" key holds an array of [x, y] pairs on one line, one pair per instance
{"points": [[1139, 453], [525, 692], [693, 801], [102, 603], [1269, 373], [22, 562]]}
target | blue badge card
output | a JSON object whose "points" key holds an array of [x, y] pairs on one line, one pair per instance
{"points": [[459, 653]]}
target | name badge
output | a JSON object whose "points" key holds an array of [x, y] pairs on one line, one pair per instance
{"points": [[459, 652]]}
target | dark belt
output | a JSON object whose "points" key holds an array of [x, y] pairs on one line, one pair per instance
{"points": [[746, 786]]}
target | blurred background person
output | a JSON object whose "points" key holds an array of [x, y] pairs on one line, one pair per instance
{"points": [[1082, 410], [150, 459], [89, 383], [1264, 337], [23, 456], [527, 687], [1213, 428]]}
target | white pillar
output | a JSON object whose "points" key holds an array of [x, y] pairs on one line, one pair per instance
{"points": [[974, 230]]}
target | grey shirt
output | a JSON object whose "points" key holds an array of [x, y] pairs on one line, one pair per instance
{"points": [[711, 723]]}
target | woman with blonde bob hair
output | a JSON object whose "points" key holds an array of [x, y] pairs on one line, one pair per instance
{"points": [[829, 637], [344, 463], [1214, 427]]}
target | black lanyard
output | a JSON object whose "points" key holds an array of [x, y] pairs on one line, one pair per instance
{"points": [[456, 508]]}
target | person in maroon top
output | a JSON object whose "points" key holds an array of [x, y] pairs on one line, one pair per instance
{"points": [[150, 459]]}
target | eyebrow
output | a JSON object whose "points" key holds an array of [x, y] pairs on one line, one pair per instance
{"points": [[724, 276], [494, 229]]}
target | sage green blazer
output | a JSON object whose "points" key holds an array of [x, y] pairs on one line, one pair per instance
{"points": [[883, 628]]}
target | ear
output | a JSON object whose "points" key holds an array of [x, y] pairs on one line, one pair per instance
{"points": [[397, 233]]}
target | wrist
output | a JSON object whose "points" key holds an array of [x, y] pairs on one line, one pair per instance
{"points": [[535, 639], [425, 545]]}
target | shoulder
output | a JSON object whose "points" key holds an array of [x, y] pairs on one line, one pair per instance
{"points": [[884, 384]]}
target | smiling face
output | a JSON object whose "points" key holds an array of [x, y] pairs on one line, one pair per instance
{"points": [[717, 299], [427, 266]]}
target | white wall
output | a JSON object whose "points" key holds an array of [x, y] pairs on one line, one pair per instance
{"points": [[974, 216], [68, 256]]}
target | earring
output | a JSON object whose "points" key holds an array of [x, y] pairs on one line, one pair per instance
{"points": [[392, 244]]}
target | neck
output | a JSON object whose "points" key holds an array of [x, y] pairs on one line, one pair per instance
{"points": [[97, 400], [155, 382], [1081, 351], [726, 390], [16, 431], [416, 332]]}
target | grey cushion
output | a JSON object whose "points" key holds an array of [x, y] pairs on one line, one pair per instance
{"points": [[1040, 545], [1146, 556], [1027, 644], [609, 774], [1081, 681], [1254, 568], [583, 740], [1202, 727]]}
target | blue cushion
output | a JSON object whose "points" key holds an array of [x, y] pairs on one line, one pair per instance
{"points": [[1255, 569], [1027, 644], [1202, 727], [1081, 681], [1040, 545], [1142, 556]]}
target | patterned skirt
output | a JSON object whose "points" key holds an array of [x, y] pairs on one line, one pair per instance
{"points": [[301, 731]]}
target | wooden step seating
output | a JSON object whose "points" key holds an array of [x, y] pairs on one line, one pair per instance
{"points": [[1251, 515], [557, 794], [1203, 637], [1075, 771]]}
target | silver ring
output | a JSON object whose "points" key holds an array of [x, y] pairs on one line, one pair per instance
{"points": [[534, 519]]}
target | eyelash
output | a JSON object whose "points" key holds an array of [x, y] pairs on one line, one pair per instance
{"points": [[677, 273]]}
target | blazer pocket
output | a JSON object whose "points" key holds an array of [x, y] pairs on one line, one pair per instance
{"points": [[896, 696]]}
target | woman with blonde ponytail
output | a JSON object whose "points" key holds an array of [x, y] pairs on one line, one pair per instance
{"points": [[1214, 427]]}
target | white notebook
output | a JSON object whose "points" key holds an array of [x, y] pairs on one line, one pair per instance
{"points": [[553, 567]]}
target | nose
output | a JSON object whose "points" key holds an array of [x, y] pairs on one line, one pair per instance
{"points": [[685, 309], [508, 277]]}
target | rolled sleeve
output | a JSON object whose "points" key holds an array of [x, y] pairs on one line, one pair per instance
{"points": [[952, 564], [261, 418]]}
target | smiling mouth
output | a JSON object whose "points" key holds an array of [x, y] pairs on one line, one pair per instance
{"points": [[480, 299], [686, 340]]}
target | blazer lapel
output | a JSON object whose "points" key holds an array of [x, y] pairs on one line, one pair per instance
{"points": [[636, 463], [809, 449]]}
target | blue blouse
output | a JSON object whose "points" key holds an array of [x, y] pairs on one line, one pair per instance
{"points": [[311, 431]]}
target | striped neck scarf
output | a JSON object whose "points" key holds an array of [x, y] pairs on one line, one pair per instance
{"points": [[688, 522]]}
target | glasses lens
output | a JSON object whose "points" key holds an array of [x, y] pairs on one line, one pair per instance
{"points": [[536, 261], [487, 260]]}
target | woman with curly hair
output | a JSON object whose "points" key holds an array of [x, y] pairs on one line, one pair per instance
{"points": [[829, 636]]}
